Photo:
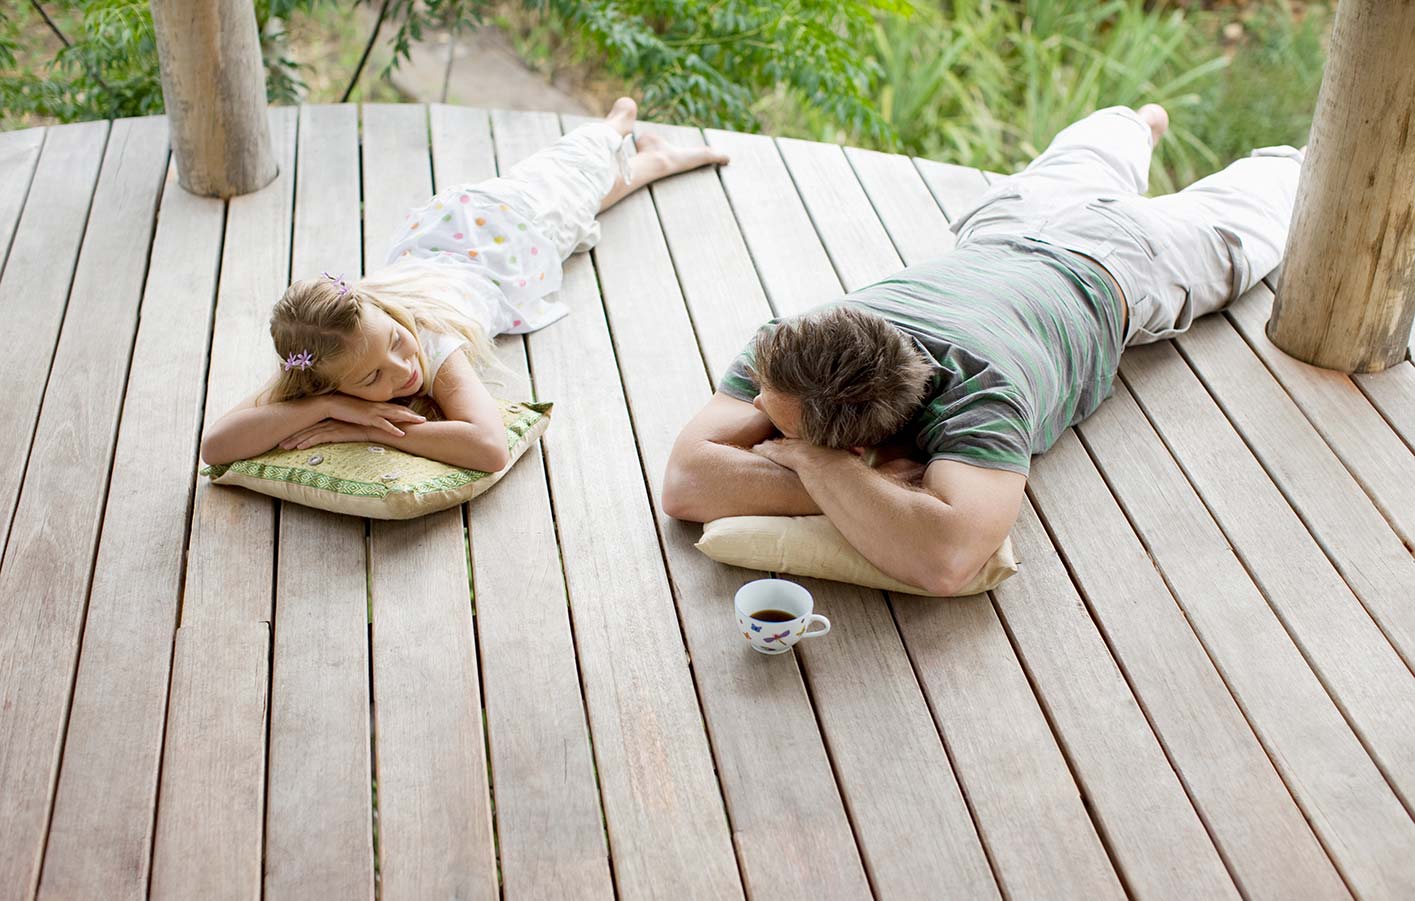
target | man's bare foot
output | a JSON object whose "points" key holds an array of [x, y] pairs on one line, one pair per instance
{"points": [[1155, 117], [661, 158], [621, 117]]}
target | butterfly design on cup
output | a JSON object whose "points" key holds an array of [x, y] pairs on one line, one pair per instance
{"points": [[777, 637], [756, 628]]}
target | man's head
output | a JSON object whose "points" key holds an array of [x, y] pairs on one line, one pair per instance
{"points": [[840, 377]]}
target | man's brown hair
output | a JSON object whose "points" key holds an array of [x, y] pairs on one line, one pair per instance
{"points": [[857, 377]]}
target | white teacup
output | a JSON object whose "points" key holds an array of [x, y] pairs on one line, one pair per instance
{"points": [[792, 605]]}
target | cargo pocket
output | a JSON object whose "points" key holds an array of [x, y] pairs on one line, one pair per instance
{"points": [[1125, 228]]}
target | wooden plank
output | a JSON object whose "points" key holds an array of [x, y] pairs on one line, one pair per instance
{"points": [[865, 648], [899, 194], [19, 155], [434, 802], [1029, 811], [231, 552], [955, 188], [664, 811], [1070, 662], [857, 243], [1346, 525], [797, 268], [100, 836], [211, 762], [1154, 835], [1375, 456], [1352, 809], [319, 812], [218, 835], [49, 555], [1358, 666], [1393, 393], [1251, 816], [549, 827], [35, 286], [794, 841]]}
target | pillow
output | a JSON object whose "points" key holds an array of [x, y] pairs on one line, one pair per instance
{"points": [[812, 546], [364, 479]]}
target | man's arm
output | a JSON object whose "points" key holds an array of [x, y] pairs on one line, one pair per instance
{"points": [[713, 473], [936, 537]]}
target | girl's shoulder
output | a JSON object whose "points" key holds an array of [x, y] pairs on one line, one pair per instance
{"points": [[437, 347]]}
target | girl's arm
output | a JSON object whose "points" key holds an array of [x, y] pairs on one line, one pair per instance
{"points": [[253, 427], [473, 435]]}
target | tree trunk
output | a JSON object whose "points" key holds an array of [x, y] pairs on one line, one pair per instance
{"points": [[213, 83], [1346, 299]]}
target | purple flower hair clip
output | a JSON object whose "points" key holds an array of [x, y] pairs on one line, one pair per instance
{"points": [[301, 360], [339, 282]]}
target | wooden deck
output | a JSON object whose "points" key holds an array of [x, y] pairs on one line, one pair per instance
{"points": [[1199, 685]]}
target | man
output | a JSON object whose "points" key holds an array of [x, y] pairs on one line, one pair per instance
{"points": [[954, 372]]}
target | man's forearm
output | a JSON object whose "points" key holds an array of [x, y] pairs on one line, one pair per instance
{"points": [[722, 480], [899, 529]]}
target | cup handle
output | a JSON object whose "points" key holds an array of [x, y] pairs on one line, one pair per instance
{"points": [[816, 618]]}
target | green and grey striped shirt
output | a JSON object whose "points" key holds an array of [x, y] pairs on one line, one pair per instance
{"points": [[1026, 338]]}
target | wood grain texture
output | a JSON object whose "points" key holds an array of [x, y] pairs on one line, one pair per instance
{"points": [[1349, 528], [215, 754], [1351, 808], [19, 155], [1058, 848], [319, 810], [955, 188], [1374, 455], [213, 85], [1154, 835], [231, 554], [434, 811], [549, 827], [794, 840], [668, 829], [874, 765], [1393, 393], [1270, 850], [48, 558], [899, 195], [1358, 666], [797, 274], [1346, 300], [100, 836], [35, 286]]}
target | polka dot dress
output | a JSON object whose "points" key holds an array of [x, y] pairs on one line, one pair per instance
{"points": [[501, 252]]}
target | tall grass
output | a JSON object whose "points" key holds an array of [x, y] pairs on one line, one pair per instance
{"points": [[987, 83]]}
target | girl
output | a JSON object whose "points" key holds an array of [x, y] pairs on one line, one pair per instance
{"points": [[474, 262]]}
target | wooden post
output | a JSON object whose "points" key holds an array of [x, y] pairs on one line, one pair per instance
{"points": [[213, 82], [1346, 298]]}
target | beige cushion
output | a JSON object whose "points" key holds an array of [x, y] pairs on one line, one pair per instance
{"points": [[364, 479], [812, 546]]}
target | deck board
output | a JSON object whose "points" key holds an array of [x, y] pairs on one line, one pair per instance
{"points": [[319, 808], [549, 826], [49, 553], [1195, 685], [434, 812], [114, 741]]}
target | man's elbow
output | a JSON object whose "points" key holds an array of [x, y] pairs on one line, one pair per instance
{"points": [[944, 576], [679, 500]]}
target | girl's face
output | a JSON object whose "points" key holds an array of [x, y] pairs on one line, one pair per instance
{"points": [[388, 366]]}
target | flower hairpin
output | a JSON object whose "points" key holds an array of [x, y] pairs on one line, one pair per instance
{"points": [[339, 283], [301, 360]]}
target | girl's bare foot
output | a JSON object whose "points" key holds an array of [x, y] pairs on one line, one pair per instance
{"points": [[1158, 120], [661, 159], [622, 115]]}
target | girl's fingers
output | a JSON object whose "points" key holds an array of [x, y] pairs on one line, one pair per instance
{"points": [[388, 426]]}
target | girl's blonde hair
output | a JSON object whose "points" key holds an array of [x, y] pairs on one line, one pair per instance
{"points": [[315, 316]]}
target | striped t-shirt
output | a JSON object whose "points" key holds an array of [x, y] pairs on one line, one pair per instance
{"points": [[1025, 338]]}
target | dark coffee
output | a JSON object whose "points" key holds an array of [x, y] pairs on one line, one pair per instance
{"points": [[773, 616]]}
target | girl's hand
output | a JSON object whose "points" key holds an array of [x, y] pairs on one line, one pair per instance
{"points": [[370, 413], [328, 431]]}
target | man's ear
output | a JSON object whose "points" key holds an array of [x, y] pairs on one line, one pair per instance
{"points": [[859, 451]]}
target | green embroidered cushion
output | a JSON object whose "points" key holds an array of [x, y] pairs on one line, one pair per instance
{"points": [[372, 480]]}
